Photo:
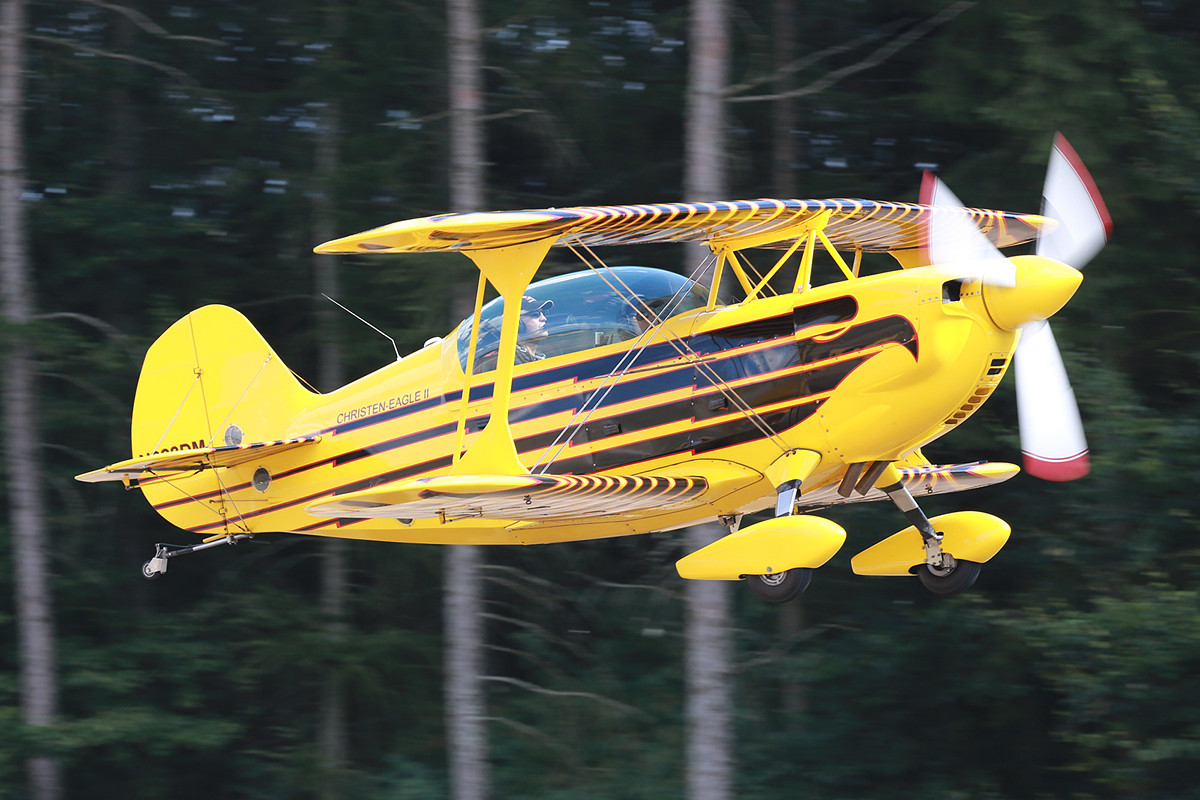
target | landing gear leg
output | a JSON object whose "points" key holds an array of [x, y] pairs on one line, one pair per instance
{"points": [[785, 586], [941, 573]]}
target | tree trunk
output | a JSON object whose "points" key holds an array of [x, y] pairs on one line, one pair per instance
{"points": [[708, 658], [466, 731], [783, 175], [332, 739], [708, 68], [332, 744], [709, 690], [121, 150], [467, 149], [34, 608], [783, 110]]}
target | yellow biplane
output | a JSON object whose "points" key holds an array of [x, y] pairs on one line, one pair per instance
{"points": [[625, 399]]}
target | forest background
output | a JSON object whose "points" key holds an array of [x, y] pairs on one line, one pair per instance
{"points": [[177, 155]]}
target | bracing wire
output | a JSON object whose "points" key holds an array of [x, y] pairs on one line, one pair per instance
{"points": [[685, 351]]}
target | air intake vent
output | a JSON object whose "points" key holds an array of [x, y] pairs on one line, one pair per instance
{"points": [[983, 389]]}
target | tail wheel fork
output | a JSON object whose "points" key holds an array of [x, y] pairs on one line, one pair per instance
{"points": [[156, 566]]}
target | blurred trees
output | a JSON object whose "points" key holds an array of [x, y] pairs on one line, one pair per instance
{"points": [[37, 655], [171, 159], [467, 754]]}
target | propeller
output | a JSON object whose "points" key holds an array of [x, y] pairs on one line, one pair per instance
{"points": [[1052, 439], [954, 237]]}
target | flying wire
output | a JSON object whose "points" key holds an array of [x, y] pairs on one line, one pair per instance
{"points": [[698, 361], [601, 392]]}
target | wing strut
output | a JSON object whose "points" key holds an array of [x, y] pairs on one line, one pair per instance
{"points": [[472, 352], [509, 269]]}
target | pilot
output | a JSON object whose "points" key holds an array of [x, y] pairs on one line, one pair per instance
{"points": [[532, 329], [646, 312]]}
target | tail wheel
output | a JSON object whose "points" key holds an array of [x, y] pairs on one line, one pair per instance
{"points": [[781, 587], [948, 581]]}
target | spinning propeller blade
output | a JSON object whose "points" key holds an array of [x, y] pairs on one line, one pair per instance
{"points": [[953, 237], [1071, 198], [1052, 439]]}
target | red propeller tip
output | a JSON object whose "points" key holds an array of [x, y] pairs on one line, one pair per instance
{"points": [[1058, 469]]}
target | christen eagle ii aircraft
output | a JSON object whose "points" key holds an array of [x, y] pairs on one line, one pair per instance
{"points": [[623, 400]]}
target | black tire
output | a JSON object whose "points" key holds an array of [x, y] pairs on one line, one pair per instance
{"points": [[947, 583], [781, 587], [149, 574]]}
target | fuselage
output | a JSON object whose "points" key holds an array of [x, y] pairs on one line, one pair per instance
{"points": [[865, 369]]}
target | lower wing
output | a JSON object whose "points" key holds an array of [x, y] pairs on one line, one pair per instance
{"points": [[923, 479], [537, 498]]}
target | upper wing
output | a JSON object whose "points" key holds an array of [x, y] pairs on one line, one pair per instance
{"points": [[190, 459], [849, 224], [536, 498]]}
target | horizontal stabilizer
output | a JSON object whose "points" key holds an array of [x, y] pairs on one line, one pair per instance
{"points": [[531, 498], [191, 460]]}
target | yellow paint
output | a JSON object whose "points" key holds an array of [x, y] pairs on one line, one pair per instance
{"points": [[509, 269], [765, 548], [967, 535], [211, 377], [1043, 287], [795, 465]]}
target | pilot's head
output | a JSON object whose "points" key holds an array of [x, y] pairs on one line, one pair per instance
{"points": [[533, 318], [646, 312]]}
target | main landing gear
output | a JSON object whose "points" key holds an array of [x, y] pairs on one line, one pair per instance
{"points": [[941, 573], [156, 567], [785, 586], [781, 587]]}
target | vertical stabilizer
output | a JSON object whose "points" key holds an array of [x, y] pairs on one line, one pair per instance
{"points": [[210, 380]]}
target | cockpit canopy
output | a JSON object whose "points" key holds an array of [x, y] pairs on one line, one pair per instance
{"points": [[588, 309]]}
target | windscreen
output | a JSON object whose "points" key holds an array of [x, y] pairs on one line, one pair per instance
{"points": [[583, 310]]}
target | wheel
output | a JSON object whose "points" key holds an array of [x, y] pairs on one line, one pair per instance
{"points": [[781, 587], [149, 572], [954, 580]]}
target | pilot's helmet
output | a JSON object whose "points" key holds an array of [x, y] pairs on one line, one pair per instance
{"points": [[531, 307]]}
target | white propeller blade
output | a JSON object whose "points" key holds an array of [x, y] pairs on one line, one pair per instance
{"points": [[1070, 197], [955, 238], [1052, 439]]}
